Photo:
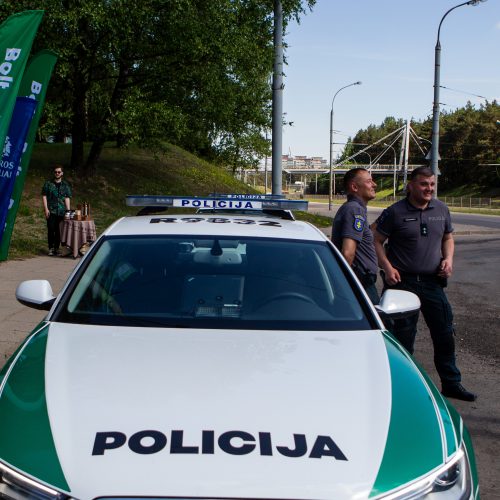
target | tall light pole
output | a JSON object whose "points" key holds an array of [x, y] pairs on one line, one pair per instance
{"points": [[331, 144], [394, 173], [277, 125], [435, 107]]}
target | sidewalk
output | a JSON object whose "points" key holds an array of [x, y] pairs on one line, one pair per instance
{"points": [[18, 320]]}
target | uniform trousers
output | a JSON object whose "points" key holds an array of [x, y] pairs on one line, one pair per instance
{"points": [[439, 319], [368, 281]]}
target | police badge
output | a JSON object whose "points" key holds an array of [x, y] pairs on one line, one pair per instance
{"points": [[359, 223]]}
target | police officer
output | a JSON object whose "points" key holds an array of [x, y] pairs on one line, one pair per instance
{"points": [[420, 259], [351, 233]]}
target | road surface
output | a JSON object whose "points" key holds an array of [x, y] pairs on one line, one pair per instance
{"points": [[473, 292], [461, 221]]}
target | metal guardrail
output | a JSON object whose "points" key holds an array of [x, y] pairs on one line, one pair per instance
{"points": [[451, 201], [468, 202]]}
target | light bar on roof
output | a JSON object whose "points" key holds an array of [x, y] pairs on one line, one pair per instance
{"points": [[219, 201]]}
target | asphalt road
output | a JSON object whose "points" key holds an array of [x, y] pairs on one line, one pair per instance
{"points": [[473, 292], [474, 222], [477, 220]]}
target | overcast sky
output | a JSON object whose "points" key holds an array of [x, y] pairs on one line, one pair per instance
{"points": [[389, 46]]}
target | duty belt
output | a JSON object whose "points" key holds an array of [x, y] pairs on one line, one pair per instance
{"points": [[366, 278], [424, 278]]}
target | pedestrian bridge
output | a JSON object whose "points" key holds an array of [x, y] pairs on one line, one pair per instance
{"points": [[342, 169]]}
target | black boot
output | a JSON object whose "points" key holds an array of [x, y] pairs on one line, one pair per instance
{"points": [[458, 391]]}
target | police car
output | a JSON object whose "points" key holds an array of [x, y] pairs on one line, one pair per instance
{"points": [[219, 355]]}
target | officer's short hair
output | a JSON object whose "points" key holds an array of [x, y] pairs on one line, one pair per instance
{"points": [[425, 171], [350, 175]]}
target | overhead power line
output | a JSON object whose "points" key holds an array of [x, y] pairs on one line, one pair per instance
{"points": [[464, 92]]}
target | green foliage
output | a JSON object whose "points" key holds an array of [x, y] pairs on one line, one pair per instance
{"points": [[468, 145], [371, 135], [123, 171], [192, 72], [315, 219]]}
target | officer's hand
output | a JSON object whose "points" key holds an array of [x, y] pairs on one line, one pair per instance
{"points": [[47, 213], [445, 268], [392, 276]]}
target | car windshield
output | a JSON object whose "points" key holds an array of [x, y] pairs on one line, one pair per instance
{"points": [[212, 282]]}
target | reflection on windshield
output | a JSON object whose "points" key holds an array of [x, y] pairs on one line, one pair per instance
{"points": [[243, 283]]}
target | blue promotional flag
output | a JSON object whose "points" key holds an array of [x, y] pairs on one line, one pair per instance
{"points": [[34, 85], [12, 152], [17, 33]]}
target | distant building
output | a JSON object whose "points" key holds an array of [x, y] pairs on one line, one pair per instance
{"points": [[313, 162], [303, 162]]}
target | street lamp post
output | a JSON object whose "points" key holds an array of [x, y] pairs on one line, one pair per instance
{"points": [[435, 107], [368, 154], [277, 107], [394, 173], [331, 144]]}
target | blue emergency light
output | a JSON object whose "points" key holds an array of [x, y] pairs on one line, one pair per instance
{"points": [[247, 202]]}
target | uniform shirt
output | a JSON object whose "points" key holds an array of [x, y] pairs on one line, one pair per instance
{"points": [[56, 192], [351, 221], [415, 235]]}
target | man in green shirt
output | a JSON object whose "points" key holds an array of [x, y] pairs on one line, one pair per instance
{"points": [[56, 195]]}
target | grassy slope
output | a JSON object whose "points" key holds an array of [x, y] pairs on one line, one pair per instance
{"points": [[120, 172]]}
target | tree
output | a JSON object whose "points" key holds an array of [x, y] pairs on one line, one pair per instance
{"points": [[469, 144], [189, 71]]}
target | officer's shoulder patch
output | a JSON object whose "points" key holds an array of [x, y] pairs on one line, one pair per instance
{"points": [[359, 223]]}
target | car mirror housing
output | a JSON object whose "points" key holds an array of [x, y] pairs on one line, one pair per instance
{"points": [[397, 304], [35, 293]]}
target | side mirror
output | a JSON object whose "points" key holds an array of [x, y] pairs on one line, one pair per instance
{"points": [[396, 304], [35, 293]]}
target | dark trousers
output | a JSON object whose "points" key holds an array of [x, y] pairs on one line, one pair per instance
{"points": [[53, 233], [368, 281], [439, 318]]}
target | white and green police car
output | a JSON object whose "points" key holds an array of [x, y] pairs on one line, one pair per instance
{"points": [[219, 356]]}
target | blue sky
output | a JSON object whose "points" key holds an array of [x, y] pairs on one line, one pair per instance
{"points": [[389, 46]]}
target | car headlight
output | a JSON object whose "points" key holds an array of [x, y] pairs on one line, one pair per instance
{"points": [[451, 481], [16, 486]]}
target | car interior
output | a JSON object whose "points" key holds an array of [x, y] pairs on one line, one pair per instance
{"points": [[238, 279]]}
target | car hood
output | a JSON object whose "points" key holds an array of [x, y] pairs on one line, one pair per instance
{"points": [[219, 413]]}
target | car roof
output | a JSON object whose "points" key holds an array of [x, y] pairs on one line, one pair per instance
{"points": [[204, 224]]}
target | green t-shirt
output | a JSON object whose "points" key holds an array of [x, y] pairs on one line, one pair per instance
{"points": [[56, 192]]}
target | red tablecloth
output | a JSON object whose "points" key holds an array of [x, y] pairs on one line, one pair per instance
{"points": [[75, 233]]}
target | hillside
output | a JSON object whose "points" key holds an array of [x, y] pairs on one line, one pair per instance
{"points": [[120, 172]]}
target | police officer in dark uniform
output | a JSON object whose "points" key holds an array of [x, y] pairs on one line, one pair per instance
{"points": [[351, 233], [419, 259]]}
